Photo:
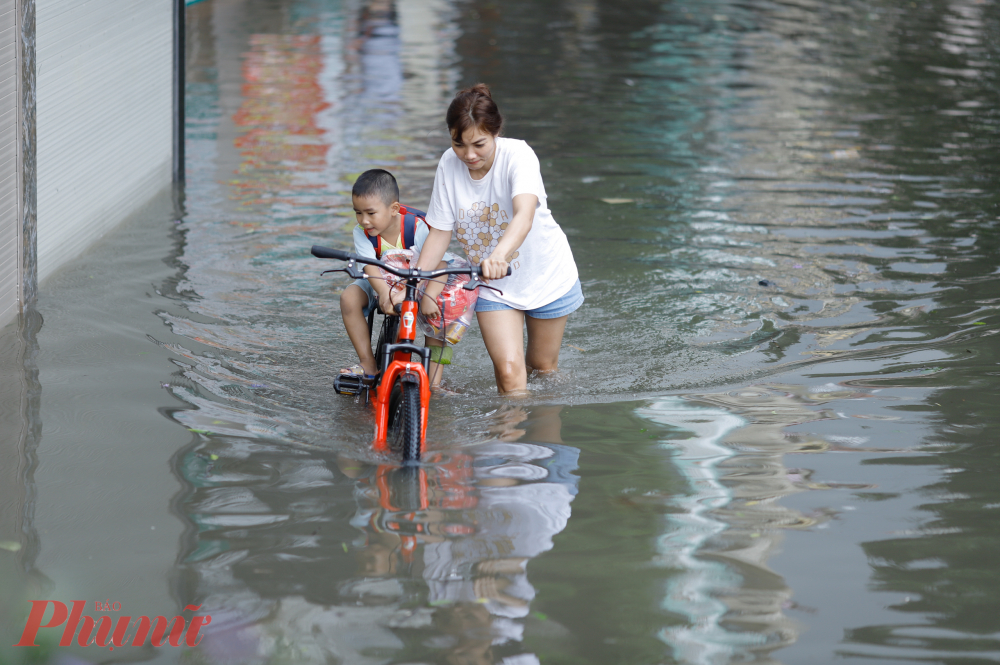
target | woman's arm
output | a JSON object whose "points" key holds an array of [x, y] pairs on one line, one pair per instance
{"points": [[434, 248], [431, 254], [495, 266]]}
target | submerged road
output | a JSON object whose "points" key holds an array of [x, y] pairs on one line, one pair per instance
{"points": [[772, 435]]}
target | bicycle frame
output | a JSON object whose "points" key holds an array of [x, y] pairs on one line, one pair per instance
{"points": [[399, 363]]}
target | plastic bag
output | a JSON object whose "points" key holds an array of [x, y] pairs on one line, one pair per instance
{"points": [[457, 305]]}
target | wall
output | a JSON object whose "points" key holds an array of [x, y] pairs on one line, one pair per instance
{"points": [[9, 227], [103, 117]]}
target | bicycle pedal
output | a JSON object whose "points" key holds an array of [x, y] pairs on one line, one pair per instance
{"points": [[348, 384]]}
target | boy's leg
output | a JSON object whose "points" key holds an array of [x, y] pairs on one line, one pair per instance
{"points": [[437, 369], [433, 289], [503, 333], [353, 302], [544, 341]]}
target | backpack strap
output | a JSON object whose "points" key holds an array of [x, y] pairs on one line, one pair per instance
{"points": [[376, 241], [411, 217]]}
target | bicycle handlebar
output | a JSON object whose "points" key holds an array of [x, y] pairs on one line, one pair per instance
{"points": [[327, 253]]}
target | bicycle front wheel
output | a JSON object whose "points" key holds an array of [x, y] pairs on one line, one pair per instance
{"points": [[404, 420]]}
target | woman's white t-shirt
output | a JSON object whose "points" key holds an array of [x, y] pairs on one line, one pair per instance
{"points": [[478, 211]]}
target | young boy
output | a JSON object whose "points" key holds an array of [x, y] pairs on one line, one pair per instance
{"points": [[382, 223]]}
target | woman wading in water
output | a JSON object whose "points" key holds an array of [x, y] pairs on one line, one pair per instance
{"points": [[488, 189]]}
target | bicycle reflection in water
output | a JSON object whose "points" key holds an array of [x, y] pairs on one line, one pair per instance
{"points": [[466, 523]]}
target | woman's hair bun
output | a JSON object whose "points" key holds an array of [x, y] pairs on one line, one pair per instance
{"points": [[480, 89], [474, 107]]}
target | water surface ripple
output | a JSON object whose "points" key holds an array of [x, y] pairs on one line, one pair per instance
{"points": [[769, 439], [790, 197]]}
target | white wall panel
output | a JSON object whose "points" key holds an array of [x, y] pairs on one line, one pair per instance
{"points": [[9, 229], [103, 117]]}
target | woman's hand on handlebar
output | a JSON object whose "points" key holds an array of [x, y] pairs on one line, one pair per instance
{"points": [[494, 267]]}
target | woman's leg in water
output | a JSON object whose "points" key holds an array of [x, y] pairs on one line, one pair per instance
{"points": [[503, 333], [544, 341]]}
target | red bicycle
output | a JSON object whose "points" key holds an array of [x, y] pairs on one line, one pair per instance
{"points": [[401, 386]]}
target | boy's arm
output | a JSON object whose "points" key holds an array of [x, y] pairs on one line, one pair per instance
{"points": [[428, 304], [378, 284], [363, 247], [436, 286]]}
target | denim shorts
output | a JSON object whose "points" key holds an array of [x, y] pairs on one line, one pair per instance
{"points": [[561, 306], [372, 298]]}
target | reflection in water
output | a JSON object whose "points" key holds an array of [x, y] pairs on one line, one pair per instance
{"points": [[378, 49], [443, 549], [475, 520], [282, 146], [692, 593], [20, 432], [731, 523], [937, 571]]}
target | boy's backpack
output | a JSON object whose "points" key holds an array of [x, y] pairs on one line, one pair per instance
{"points": [[411, 217]]}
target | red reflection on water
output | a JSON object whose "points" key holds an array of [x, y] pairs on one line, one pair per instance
{"points": [[280, 140]]}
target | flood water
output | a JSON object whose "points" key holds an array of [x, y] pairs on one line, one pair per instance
{"points": [[771, 439]]}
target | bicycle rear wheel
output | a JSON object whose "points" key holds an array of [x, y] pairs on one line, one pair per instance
{"points": [[404, 420]]}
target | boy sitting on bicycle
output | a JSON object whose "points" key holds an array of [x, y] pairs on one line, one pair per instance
{"points": [[383, 223]]}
